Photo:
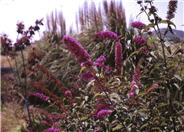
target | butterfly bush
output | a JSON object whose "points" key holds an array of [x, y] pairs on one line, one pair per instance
{"points": [[76, 49], [172, 9], [136, 83], [43, 122], [87, 76], [103, 113], [68, 93], [41, 96], [140, 41], [154, 86], [106, 35], [138, 25], [101, 59], [118, 57]]}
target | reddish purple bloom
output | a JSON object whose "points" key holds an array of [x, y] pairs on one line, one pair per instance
{"points": [[106, 35], [6, 44], [41, 96], [88, 63], [152, 9], [101, 59], [138, 25], [136, 83], [20, 27], [118, 57], [44, 122], [51, 130], [130, 94], [155, 85], [76, 49], [103, 113], [75, 85], [140, 41], [102, 106], [87, 76], [171, 9], [68, 93]]}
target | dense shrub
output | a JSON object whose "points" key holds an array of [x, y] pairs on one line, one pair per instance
{"points": [[118, 80]]}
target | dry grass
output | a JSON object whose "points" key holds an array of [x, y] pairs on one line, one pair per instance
{"points": [[12, 117], [4, 61]]}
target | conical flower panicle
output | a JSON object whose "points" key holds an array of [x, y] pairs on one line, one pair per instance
{"points": [[107, 35], [118, 57], [76, 49], [138, 25], [136, 83], [171, 9]]}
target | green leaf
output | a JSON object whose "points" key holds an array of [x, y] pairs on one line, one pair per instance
{"points": [[83, 118], [152, 41], [82, 69], [148, 26], [167, 22], [163, 124], [132, 54], [143, 126], [156, 128], [168, 49], [163, 104], [118, 127], [98, 94], [149, 13]]}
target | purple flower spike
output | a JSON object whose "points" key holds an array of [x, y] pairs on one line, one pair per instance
{"points": [[138, 25], [101, 59], [118, 57], [76, 48], [171, 9], [140, 41], [136, 83], [44, 122], [41, 96], [107, 35], [87, 76], [103, 113]]}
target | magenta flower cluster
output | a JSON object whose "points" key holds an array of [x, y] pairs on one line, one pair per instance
{"points": [[118, 57], [136, 83], [76, 49], [101, 59], [51, 130], [43, 122], [103, 113], [140, 41], [106, 35], [138, 25], [87, 76], [41, 96], [100, 64], [154, 86], [68, 93]]}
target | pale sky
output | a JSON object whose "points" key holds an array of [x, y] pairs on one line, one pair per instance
{"points": [[27, 11]]}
